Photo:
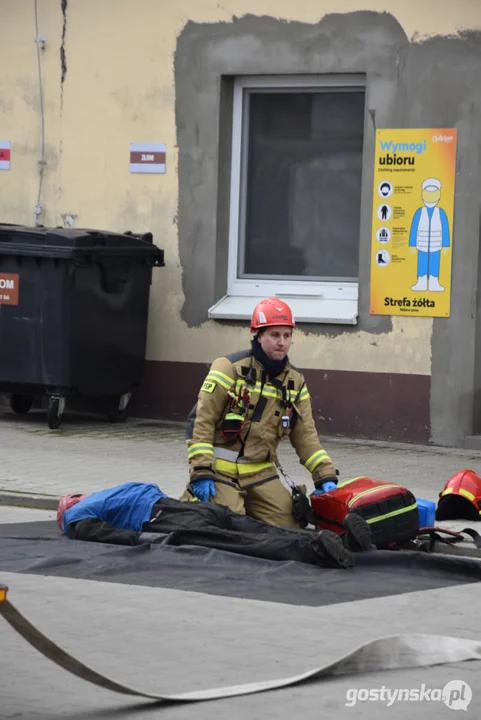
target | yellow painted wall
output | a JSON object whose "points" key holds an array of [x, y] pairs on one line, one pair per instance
{"points": [[119, 88]]}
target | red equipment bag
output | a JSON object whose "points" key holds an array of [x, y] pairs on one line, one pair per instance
{"points": [[390, 510]]}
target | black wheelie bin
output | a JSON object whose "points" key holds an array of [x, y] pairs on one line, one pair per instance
{"points": [[73, 316]]}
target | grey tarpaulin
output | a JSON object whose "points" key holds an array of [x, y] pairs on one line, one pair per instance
{"points": [[40, 549], [389, 653]]}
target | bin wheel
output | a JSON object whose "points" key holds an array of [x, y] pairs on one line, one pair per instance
{"points": [[21, 404], [117, 416], [54, 417]]}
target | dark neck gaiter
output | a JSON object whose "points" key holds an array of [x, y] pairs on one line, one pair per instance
{"points": [[273, 368]]}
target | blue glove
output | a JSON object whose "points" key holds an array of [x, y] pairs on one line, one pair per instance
{"points": [[203, 488], [325, 487]]}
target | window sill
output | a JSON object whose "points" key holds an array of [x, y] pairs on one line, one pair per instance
{"points": [[305, 309]]}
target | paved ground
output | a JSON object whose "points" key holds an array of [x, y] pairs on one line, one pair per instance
{"points": [[85, 455], [172, 640]]}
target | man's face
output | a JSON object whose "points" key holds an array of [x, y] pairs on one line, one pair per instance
{"points": [[276, 341]]}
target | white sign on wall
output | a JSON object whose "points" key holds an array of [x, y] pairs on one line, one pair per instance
{"points": [[147, 157], [5, 146]]}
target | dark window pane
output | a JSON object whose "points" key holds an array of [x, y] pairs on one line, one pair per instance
{"points": [[304, 163]]}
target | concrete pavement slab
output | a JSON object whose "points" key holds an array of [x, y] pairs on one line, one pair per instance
{"points": [[170, 640], [20, 515]]}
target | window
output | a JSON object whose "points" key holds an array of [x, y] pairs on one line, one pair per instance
{"points": [[295, 202]]}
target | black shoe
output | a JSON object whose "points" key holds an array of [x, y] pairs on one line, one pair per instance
{"points": [[332, 550], [358, 535]]}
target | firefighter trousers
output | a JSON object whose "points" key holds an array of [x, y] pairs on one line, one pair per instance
{"points": [[258, 492]]}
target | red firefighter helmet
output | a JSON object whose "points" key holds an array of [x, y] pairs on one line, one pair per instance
{"points": [[66, 502], [461, 497], [269, 312]]}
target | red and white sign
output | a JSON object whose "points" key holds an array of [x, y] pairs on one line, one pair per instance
{"points": [[5, 147], [9, 283], [147, 157]]}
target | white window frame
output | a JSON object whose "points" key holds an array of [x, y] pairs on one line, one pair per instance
{"points": [[321, 301]]}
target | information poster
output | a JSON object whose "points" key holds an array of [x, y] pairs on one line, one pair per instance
{"points": [[412, 222]]}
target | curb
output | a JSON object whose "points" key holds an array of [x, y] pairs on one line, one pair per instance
{"points": [[26, 500]]}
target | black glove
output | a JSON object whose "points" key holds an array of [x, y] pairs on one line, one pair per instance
{"points": [[301, 508]]}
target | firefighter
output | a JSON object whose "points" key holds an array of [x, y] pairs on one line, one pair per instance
{"points": [[248, 403]]}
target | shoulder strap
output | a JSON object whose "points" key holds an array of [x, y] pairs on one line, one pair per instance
{"points": [[432, 535]]}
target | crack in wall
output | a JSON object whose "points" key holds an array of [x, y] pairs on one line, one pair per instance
{"points": [[63, 57]]}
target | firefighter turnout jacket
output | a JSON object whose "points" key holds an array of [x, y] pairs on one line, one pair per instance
{"points": [[241, 416]]}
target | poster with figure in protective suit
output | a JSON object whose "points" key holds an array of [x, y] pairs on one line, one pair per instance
{"points": [[412, 222]]}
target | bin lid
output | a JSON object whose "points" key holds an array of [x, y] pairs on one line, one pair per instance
{"points": [[76, 243]]}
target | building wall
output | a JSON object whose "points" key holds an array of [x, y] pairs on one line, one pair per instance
{"points": [[115, 73]]}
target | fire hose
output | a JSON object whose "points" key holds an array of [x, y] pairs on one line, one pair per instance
{"points": [[389, 653]]}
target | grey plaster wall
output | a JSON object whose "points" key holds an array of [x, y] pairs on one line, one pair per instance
{"points": [[430, 84], [208, 57], [442, 79]]}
